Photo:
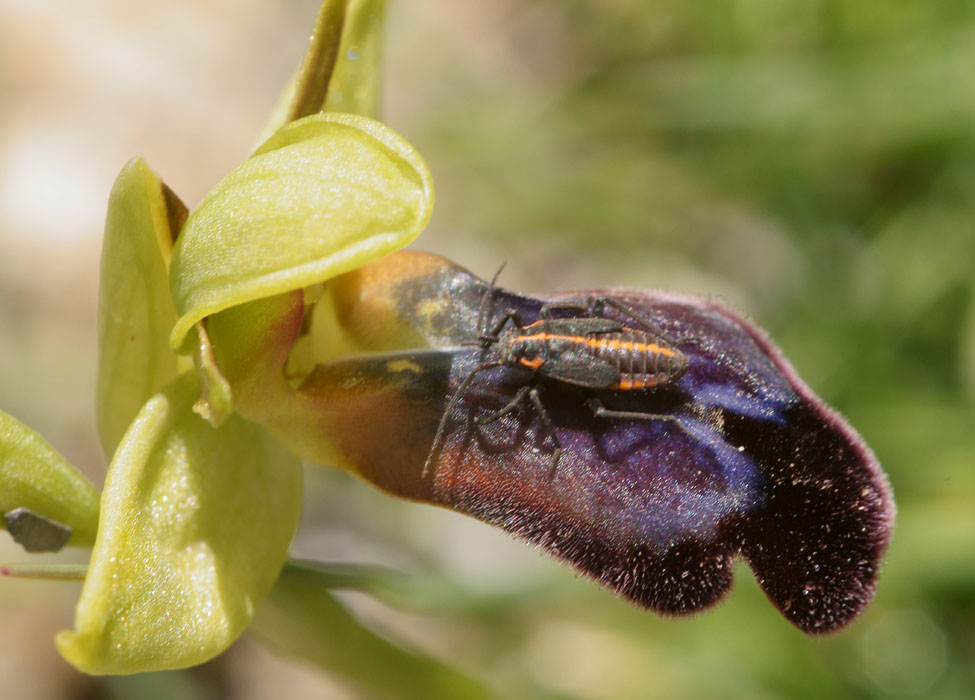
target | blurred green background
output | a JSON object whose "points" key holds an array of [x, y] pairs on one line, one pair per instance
{"points": [[810, 162]]}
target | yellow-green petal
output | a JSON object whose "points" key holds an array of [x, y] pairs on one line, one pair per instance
{"points": [[33, 475], [195, 527], [135, 310], [324, 195]]}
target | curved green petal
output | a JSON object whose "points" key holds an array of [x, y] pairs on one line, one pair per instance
{"points": [[33, 475], [324, 195], [135, 310], [195, 527]]}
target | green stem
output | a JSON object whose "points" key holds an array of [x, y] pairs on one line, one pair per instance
{"points": [[48, 572]]}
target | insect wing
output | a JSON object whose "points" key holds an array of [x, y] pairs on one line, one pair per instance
{"points": [[582, 371], [572, 327]]}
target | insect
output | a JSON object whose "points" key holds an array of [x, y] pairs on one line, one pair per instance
{"points": [[585, 350]]}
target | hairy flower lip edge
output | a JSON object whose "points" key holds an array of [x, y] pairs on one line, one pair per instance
{"points": [[882, 528]]}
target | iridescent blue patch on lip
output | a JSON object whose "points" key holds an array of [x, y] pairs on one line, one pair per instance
{"points": [[735, 400]]}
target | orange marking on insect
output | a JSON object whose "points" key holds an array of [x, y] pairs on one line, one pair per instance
{"points": [[628, 384], [611, 344], [532, 364]]}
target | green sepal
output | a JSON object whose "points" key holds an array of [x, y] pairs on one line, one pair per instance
{"points": [[135, 310], [195, 527], [33, 475]]}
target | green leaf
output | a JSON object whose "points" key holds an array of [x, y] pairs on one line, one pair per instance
{"points": [[302, 619], [195, 527], [33, 475], [324, 195], [135, 310]]}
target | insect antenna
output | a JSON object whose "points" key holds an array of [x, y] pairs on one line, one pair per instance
{"points": [[461, 390], [483, 339]]}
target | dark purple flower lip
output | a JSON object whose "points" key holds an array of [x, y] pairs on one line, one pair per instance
{"points": [[749, 462], [758, 467]]}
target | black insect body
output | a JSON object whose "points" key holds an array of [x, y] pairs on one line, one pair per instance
{"points": [[584, 350], [595, 353]]}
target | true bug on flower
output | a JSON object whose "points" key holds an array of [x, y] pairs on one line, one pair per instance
{"points": [[585, 350]]}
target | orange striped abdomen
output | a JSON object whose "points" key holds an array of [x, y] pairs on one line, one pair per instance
{"points": [[643, 360], [566, 350]]}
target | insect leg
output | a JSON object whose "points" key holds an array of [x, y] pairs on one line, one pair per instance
{"points": [[461, 390], [546, 311], [596, 306], [481, 310], [600, 411], [543, 414], [519, 397], [508, 408]]}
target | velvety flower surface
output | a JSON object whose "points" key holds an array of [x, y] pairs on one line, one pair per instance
{"points": [[655, 509], [751, 464]]}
